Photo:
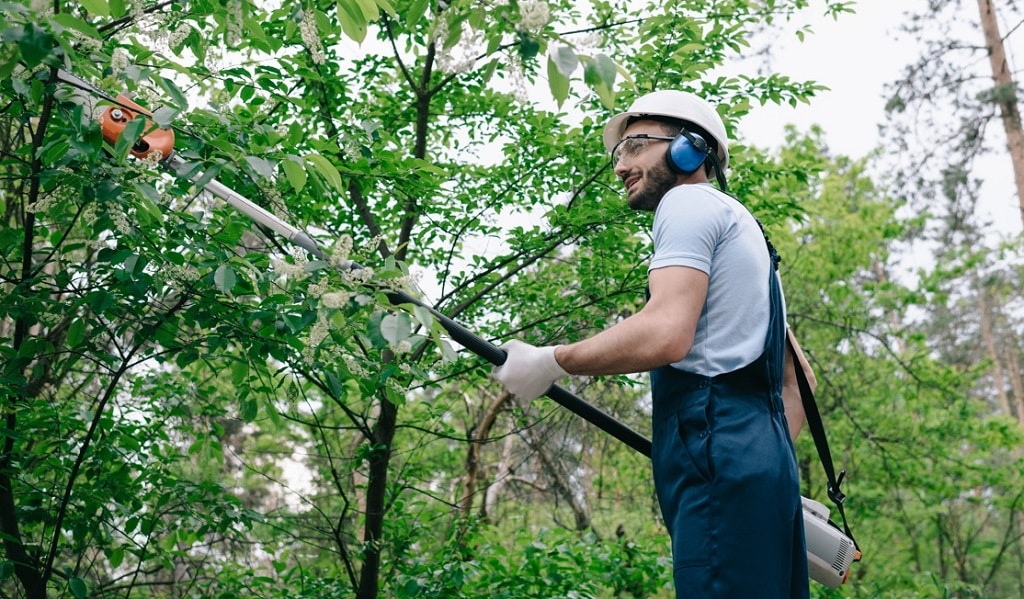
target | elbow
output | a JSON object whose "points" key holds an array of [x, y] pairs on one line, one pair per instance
{"points": [[673, 351]]}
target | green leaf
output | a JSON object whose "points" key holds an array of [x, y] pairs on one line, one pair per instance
{"points": [[180, 101], [147, 191], [99, 8], [599, 73], [165, 116], [295, 172], [395, 327], [77, 587], [76, 332], [248, 410], [416, 11], [529, 47], [369, 9], [262, 166], [239, 372], [326, 170], [224, 278], [128, 137], [394, 396], [565, 60], [67, 21], [423, 316], [388, 7], [557, 82], [352, 21], [35, 44], [115, 556]]}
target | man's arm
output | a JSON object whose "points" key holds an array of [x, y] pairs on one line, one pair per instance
{"points": [[659, 334], [791, 400]]}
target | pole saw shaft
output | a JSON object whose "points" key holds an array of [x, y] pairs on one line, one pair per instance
{"points": [[115, 118], [460, 334]]}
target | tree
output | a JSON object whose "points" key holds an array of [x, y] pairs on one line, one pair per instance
{"points": [[161, 345]]}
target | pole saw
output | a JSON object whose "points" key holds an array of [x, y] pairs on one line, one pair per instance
{"points": [[830, 552]]}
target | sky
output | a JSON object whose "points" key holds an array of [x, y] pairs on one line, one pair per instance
{"points": [[855, 57]]}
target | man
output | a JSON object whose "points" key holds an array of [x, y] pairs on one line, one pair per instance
{"points": [[712, 334]]}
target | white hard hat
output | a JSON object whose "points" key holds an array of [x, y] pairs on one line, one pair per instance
{"points": [[677, 105]]}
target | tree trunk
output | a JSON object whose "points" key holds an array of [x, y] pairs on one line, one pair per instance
{"points": [[988, 340], [376, 498], [1016, 384], [1005, 95]]}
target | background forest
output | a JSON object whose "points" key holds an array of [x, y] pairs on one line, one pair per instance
{"points": [[192, 407]]}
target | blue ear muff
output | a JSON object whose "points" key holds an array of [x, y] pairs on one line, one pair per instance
{"points": [[687, 152]]}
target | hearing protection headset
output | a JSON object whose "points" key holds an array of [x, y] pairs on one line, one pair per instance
{"points": [[687, 152]]}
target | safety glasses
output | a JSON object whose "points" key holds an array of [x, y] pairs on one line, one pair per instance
{"points": [[632, 145]]}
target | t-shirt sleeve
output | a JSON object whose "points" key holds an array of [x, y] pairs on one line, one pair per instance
{"points": [[688, 225]]}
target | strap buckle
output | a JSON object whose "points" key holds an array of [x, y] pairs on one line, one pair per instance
{"points": [[834, 493]]}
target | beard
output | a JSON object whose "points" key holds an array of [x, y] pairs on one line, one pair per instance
{"points": [[654, 183]]}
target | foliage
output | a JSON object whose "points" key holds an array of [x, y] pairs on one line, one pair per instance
{"points": [[193, 407]]}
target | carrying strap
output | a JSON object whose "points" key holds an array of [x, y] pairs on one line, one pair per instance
{"points": [[820, 442]]}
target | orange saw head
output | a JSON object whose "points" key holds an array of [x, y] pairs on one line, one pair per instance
{"points": [[115, 118]]}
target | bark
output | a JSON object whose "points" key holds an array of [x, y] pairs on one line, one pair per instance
{"points": [[376, 498], [989, 342], [480, 433], [1016, 384], [1005, 95], [501, 478]]}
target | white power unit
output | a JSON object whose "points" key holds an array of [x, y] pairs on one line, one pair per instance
{"points": [[829, 551]]}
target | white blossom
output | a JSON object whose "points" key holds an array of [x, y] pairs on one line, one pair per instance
{"points": [[517, 78], [533, 15], [462, 56], [121, 222], [316, 289], [335, 299], [119, 59], [360, 276], [287, 269], [177, 36], [340, 252], [311, 38], [234, 24]]}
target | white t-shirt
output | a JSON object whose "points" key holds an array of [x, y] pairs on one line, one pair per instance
{"points": [[700, 227]]}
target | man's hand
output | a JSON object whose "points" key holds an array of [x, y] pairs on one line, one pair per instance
{"points": [[528, 371]]}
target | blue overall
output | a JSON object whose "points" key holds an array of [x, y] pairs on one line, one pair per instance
{"points": [[726, 478]]}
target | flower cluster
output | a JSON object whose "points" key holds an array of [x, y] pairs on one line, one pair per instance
{"points": [[340, 252], [517, 78], [335, 299], [177, 36], [311, 38], [461, 57], [316, 289], [180, 276], [295, 270], [317, 334], [234, 24], [533, 15], [119, 59], [121, 222]]}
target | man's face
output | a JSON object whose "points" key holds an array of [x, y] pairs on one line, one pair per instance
{"points": [[639, 161]]}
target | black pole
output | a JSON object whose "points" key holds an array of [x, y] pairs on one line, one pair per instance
{"points": [[495, 355]]}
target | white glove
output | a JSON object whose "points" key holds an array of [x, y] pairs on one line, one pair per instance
{"points": [[528, 371]]}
